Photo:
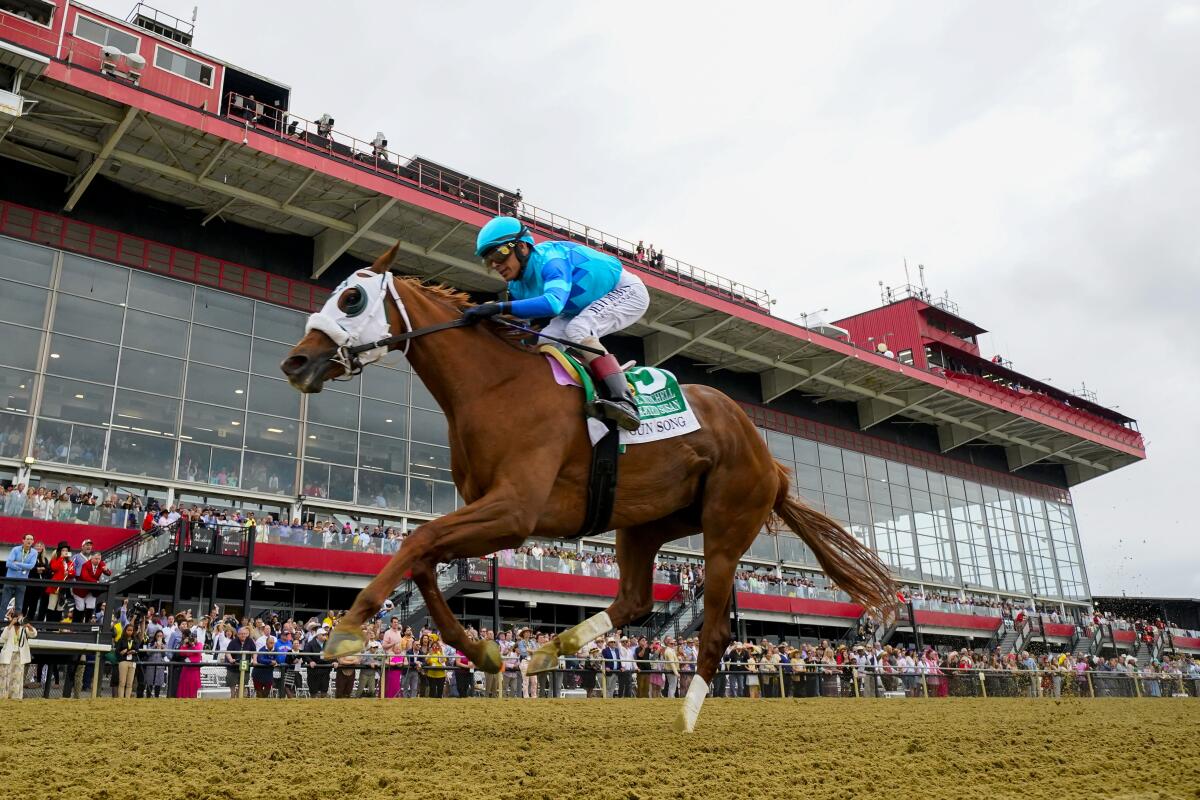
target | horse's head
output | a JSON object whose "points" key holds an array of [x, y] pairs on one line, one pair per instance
{"points": [[358, 312]]}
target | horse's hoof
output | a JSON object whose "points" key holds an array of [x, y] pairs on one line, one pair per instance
{"points": [[544, 659], [681, 724], [344, 643], [490, 662]]}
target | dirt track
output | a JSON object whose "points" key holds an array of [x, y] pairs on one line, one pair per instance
{"points": [[317, 749]]}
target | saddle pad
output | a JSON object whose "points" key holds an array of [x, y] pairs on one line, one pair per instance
{"points": [[661, 403]]}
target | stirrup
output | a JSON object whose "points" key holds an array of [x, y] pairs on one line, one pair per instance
{"points": [[620, 411]]}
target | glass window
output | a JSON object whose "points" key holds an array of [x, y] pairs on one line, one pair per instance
{"points": [[24, 305], [272, 434], [381, 489], [223, 310], [80, 358], [156, 334], [763, 546], [16, 390], [146, 413], [135, 454], [161, 295], [213, 385], [897, 473], [266, 356], [69, 444], [420, 496], [12, 435], [383, 453], [421, 397], [780, 445], [90, 319], [833, 482], [274, 474], [917, 479], [21, 346], [385, 384], [831, 457], [213, 465], [180, 64], [93, 279], [331, 444], [212, 424], [87, 28], [388, 419], [806, 451], [150, 373], [333, 408], [274, 397], [854, 463], [876, 469], [76, 402], [808, 477], [25, 262], [445, 498], [278, 324], [856, 487], [220, 348], [430, 426], [836, 507], [937, 483], [428, 461], [328, 481]]}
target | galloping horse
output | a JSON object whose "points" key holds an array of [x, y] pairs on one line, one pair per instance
{"points": [[520, 457]]}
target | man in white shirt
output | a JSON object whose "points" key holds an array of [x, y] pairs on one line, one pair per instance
{"points": [[627, 649]]}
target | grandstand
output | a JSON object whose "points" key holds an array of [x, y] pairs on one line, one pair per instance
{"points": [[166, 222]]}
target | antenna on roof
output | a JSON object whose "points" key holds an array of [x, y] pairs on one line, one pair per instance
{"points": [[195, 11], [924, 288], [906, 278]]}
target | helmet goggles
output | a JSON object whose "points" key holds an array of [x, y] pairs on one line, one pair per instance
{"points": [[498, 255]]}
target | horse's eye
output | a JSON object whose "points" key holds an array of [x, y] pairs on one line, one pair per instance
{"points": [[352, 302]]}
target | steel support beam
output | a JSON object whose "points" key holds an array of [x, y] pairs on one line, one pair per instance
{"points": [[442, 239], [329, 244], [952, 435], [1020, 456], [101, 157], [871, 412], [218, 212], [661, 346], [777, 382]]}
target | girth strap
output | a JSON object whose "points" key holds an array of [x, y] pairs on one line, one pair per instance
{"points": [[602, 482]]}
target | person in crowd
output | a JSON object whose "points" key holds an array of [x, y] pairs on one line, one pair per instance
{"points": [[189, 672], [464, 670], [410, 679], [128, 651], [435, 667], [511, 660], [21, 559], [318, 665], [669, 658], [263, 673], [393, 645], [92, 571], [238, 651], [154, 664], [34, 606], [753, 689], [14, 654]]}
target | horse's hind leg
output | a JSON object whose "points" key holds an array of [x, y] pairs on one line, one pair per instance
{"points": [[636, 547], [484, 655]]}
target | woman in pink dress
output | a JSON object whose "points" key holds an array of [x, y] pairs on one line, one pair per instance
{"points": [[189, 673]]}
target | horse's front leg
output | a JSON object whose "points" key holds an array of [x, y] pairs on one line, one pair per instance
{"points": [[483, 654], [503, 515]]}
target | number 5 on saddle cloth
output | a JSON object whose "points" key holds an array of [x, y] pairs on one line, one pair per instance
{"points": [[664, 412]]}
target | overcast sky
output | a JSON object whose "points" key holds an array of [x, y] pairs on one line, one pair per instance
{"points": [[1040, 159]]}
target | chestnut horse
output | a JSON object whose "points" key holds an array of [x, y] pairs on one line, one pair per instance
{"points": [[520, 457]]}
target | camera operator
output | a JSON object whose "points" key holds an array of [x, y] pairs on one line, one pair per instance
{"points": [[14, 654]]}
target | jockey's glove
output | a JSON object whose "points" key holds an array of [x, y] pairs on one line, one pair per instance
{"points": [[484, 311]]}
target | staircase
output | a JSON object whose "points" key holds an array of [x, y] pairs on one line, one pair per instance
{"points": [[141, 556], [681, 619]]}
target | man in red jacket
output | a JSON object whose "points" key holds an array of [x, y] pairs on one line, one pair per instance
{"points": [[85, 599]]}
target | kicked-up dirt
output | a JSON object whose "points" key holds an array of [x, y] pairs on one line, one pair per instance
{"points": [[622, 749]]}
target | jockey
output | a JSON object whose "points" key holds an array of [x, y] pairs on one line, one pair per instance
{"points": [[587, 293]]}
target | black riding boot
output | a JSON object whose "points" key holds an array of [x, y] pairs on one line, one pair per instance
{"points": [[617, 403]]}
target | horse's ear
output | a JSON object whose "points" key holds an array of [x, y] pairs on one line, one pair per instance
{"points": [[382, 263]]}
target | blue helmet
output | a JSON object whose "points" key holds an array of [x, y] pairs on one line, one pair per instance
{"points": [[500, 230]]}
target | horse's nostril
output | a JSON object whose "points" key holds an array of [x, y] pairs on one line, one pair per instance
{"points": [[293, 364]]}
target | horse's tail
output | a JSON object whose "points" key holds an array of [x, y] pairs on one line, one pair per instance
{"points": [[851, 565]]}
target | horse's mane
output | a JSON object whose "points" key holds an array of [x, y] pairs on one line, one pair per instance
{"points": [[441, 293]]}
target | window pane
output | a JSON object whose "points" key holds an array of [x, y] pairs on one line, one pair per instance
{"points": [[831, 457], [272, 434], [333, 408], [90, 319], [420, 495], [80, 358], [135, 454], [21, 346], [428, 461], [387, 419], [161, 295], [25, 262], [212, 424], [222, 310], [897, 473], [381, 489], [265, 357], [279, 324], [331, 444], [150, 373], [856, 487], [382, 453], [16, 390], [212, 385], [385, 384], [156, 334], [263, 473], [72, 444], [833, 482], [93, 279], [76, 401], [146, 413], [220, 348], [430, 426], [12, 435], [274, 397], [853, 463], [780, 445], [421, 397], [25, 305], [806, 451], [444, 498]]}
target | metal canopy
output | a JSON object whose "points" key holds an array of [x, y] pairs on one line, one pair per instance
{"points": [[238, 180]]}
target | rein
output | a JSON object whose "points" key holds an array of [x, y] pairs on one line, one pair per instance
{"points": [[350, 352]]}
